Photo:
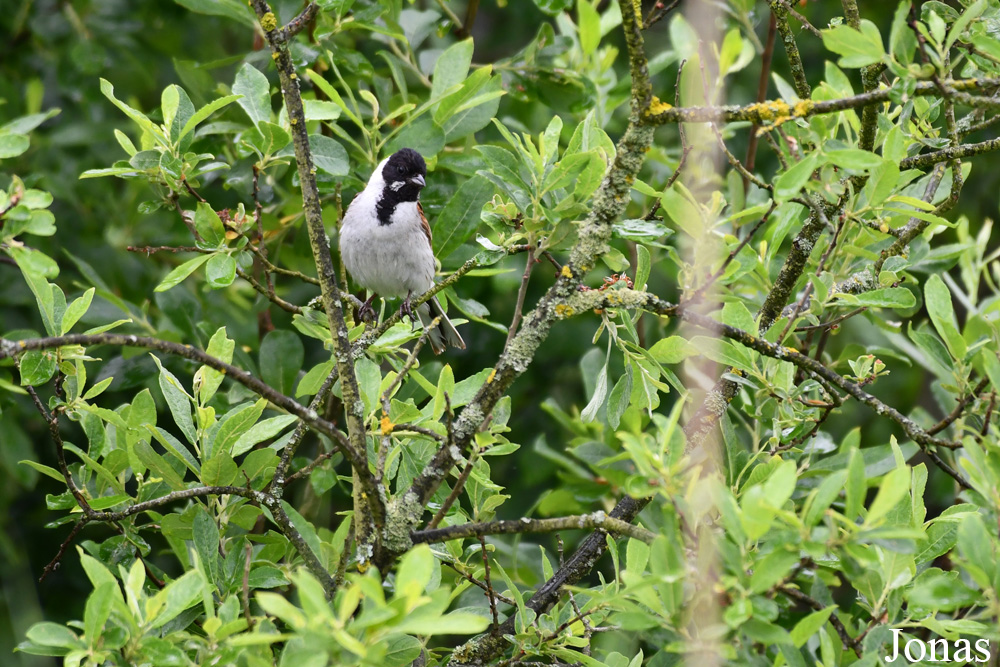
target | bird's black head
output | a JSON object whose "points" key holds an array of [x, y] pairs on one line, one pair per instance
{"points": [[404, 174]]}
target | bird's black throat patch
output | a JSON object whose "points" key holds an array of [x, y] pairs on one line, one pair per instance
{"points": [[390, 199]]}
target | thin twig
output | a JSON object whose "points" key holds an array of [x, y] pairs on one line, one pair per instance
{"points": [[845, 637], [490, 593], [832, 323], [519, 304]]}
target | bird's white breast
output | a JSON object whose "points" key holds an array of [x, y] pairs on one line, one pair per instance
{"points": [[392, 259]]}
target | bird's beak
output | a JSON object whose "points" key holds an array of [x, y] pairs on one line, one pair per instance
{"points": [[418, 180]]}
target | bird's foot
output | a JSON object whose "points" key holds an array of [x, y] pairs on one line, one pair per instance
{"points": [[405, 309], [366, 313]]}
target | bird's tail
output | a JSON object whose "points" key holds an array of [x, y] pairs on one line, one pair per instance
{"points": [[444, 333]]}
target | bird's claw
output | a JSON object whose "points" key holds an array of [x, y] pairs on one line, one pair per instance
{"points": [[405, 309], [366, 313]]}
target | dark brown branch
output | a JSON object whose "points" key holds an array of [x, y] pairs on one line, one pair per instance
{"points": [[490, 593], [959, 408], [845, 637]]}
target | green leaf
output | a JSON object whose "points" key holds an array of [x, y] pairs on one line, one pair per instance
{"points": [[37, 367], [12, 145], [672, 350], [176, 597], [220, 271], [313, 380], [53, 634], [221, 347], [937, 298], [256, 92], [735, 314], [220, 470], [97, 611], [810, 625], [140, 118], [894, 487], [329, 156], [178, 275], [236, 424], [456, 623], [208, 224], [445, 385], [590, 26], [414, 572], [857, 48], [680, 205], [232, 9], [262, 431], [971, 13], [791, 182], [856, 487], [592, 408], [772, 569], [178, 401], [854, 158], [281, 357], [887, 297], [76, 310], [206, 111], [451, 67], [305, 528], [401, 651], [269, 138], [459, 219], [205, 535], [422, 135]]}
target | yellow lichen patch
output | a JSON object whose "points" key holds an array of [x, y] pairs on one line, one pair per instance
{"points": [[657, 106], [274, 55], [562, 311], [492, 376], [566, 272], [268, 22], [293, 76], [386, 425], [803, 108], [770, 111]]}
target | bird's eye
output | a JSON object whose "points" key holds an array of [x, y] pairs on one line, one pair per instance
{"points": [[399, 169]]}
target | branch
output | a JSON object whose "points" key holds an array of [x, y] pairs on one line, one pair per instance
{"points": [[780, 11], [9, 348], [594, 236], [527, 525], [775, 111], [845, 637], [312, 210]]}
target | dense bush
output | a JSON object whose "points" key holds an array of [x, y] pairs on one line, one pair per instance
{"points": [[741, 355]]}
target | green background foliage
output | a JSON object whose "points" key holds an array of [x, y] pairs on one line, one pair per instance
{"points": [[882, 538]]}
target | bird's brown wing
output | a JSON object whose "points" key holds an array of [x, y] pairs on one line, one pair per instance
{"points": [[424, 225]]}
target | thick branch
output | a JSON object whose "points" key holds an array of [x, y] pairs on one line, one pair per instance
{"points": [[313, 213], [526, 525]]}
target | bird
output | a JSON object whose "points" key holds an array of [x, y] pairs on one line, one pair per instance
{"points": [[385, 243]]}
